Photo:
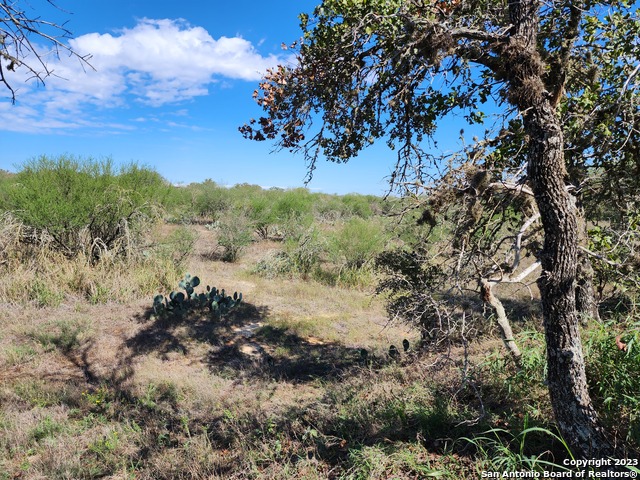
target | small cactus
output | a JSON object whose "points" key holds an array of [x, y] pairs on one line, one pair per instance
{"points": [[216, 300], [394, 352], [177, 299], [221, 304], [188, 284], [158, 304]]}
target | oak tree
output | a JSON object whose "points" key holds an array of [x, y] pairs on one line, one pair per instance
{"points": [[530, 71]]}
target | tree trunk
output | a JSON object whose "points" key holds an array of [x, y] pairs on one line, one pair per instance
{"points": [[572, 406], [574, 412], [586, 303]]}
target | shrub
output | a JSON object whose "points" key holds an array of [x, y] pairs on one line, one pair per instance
{"points": [[234, 234], [328, 208], [301, 256], [305, 251], [275, 265], [613, 362], [210, 200], [85, 205], [357, 243], [278, 212], [10, 234], [6, 179], [358, 205], [179, 204], [261, 214], [296, 203], [175, 247]]}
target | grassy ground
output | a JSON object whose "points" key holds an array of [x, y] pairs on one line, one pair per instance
{"points": [[294, 383]]}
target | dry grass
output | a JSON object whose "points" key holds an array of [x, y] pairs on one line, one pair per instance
{"points": [[33, 272], [279, 389]]}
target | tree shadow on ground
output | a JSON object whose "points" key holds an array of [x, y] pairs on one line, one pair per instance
{"points": [[241, 346], [181, 330], [522, 309], [276, 353], [362, 407], [367, 411]]}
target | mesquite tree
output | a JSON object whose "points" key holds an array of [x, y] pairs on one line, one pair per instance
{"points": [[392, 69], [25, 36]]}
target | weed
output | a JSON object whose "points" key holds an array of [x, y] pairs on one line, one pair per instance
{"points": [[47, 427], [612, 371], [107, 445], [18, 354], [44, 294], [395, 461], [502, 450], [40, 393], [97, 400], [157, 393], [64, 335]]}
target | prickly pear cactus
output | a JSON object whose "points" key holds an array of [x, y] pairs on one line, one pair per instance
{"points": [[188, 284], [221, 304], [158, 304], [217, 301]]}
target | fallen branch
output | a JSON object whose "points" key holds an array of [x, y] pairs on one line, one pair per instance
{"points": [[503, 321]]}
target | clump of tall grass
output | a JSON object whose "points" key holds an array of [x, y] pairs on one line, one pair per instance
{"points": [[502, 450], [32, 271]]}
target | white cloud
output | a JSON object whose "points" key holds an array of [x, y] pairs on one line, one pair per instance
{"points": [[157, 62], [164, 61]]}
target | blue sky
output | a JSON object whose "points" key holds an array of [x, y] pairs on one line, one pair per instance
{"points": [[173, 82]]}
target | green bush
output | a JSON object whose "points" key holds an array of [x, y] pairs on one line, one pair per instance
{"points": [[357, 243], [613, 361], [179, 204], [305, 251], [301, 257], [278, 212], [358, 205], [328, 208], [175, 247], [234, 234], [85, 205], [261, 213], [210, 200], [6, 179], [296, 203]]}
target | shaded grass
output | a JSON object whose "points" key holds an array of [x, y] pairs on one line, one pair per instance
{"points": [[305, 415], [278, 389]]}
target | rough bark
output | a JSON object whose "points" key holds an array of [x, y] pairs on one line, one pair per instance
{"points": [[568, 389], [574, 411], [586, 303]]}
